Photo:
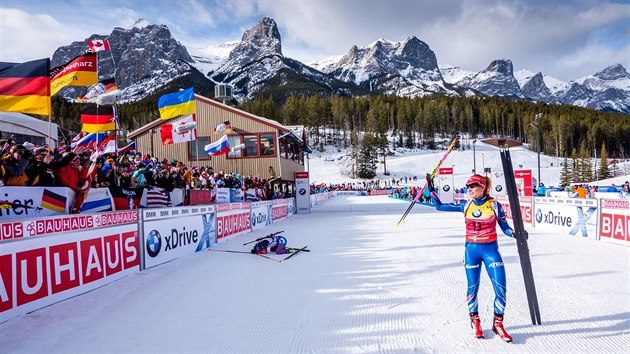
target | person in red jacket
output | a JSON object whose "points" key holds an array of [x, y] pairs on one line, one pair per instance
{"points": [[72, 174]]}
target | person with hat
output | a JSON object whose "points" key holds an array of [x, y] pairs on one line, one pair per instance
{"points": [[14, 165], [39, 172], [481, 214]]}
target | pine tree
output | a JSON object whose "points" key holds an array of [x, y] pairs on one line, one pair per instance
{"points": [[565, 173], [367, 155], [575, 167], [603, 172]]}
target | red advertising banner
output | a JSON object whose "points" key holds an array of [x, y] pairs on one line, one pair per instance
{"points": [[39, 271], [523, 182], [200, 197], [614, 221]]}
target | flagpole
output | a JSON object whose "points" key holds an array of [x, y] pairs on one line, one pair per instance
{"points": [[115, 143], [49, 141]]}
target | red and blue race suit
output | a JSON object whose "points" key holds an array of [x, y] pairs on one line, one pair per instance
{"points": [[481, 216]]}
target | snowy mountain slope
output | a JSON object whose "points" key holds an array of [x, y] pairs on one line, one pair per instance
{"points": [[406, 68]]}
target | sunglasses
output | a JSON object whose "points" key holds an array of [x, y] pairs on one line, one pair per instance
{"points": [[472, 185]]}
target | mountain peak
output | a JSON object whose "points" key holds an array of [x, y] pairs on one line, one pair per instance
{"points": [[259, 41], [501, 66], [613, 72]]}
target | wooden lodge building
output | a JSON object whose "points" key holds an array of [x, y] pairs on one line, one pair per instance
{"points": [[270, 148]]}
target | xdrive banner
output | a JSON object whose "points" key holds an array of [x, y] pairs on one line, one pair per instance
{"points": [[576, 217], [174, 232]]}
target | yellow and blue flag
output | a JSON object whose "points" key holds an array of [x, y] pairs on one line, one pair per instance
{"points": [[177, 104]]}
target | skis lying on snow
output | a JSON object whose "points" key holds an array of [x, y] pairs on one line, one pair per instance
{"points": [[303, 249], [520, 234], [291, 251], [437, 167]]}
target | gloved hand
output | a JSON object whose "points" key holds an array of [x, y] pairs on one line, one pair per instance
{"points": [[430, 185], [509, 232]]}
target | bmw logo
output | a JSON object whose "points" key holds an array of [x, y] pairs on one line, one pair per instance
{"points": [[446, 188], [498, 188], [281, 240], [302, 191], [539, 215], [154, 243], [476, 213]]}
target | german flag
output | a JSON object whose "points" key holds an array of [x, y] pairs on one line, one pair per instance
{"points": [[25, 87], [98, 119], [54, 201], [80, 71]]}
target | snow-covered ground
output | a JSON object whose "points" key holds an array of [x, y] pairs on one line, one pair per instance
{"points": [[367, 286], [332, 166]]}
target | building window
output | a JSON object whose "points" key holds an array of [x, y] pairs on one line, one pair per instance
{"points": [[234, 141], [251, 145], [196, 149], [267, 144]]}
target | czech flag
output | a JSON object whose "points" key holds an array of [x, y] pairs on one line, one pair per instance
{"points": [[177, 104], [25, 87], [219, 147], [98, 119]]}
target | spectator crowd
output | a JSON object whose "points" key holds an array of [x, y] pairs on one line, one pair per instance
{"points": [[79, 169]]}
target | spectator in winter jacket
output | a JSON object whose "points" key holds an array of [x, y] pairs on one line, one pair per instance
{"points": [[15, 165], [626, 190], [39, 171]]}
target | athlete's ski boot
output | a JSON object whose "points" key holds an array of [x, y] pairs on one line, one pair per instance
{"points": [[497, 327], [475, 324]]}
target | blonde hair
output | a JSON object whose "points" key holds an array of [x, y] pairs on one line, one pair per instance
{"points": [[488, 188]]}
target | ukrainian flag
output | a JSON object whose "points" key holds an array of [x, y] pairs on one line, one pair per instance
{"points": [[177, 104]]}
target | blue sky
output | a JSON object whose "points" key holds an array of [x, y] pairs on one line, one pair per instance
{"points": [[563, 39]]}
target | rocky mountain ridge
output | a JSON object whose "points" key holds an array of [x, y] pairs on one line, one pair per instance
{"points": [[145, 58]]}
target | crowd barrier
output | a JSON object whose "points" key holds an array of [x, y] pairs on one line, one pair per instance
{"points": [[50, 259], [43, 261]]}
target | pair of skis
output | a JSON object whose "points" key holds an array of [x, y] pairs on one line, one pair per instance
{"points": [[292, 251], [433, 173], [521, 236]]}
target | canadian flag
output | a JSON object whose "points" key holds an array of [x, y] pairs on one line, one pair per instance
{"points": [[180, 131], [98, 45]]}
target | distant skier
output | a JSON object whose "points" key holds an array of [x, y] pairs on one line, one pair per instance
{"points": [[481, 213]]}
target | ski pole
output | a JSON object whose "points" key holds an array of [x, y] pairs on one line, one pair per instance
{"points": [[271, 235], [437, 167]]}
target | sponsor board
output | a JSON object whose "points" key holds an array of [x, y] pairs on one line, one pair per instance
{"points": [[525, 204], [66, 224], [280, 210], [233, 223], [614, 221], [576, 217], [174, 232], [30, 202], [261, 214], [200, 196], [40, 271], [302, 193]]}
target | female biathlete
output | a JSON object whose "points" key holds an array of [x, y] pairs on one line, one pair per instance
{"points": [[481, 213]]}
